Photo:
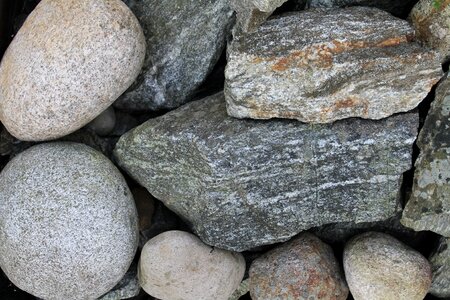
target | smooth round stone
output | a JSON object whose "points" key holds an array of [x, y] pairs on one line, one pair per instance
{"points": [[379, 267], [103, 124], [177, 265], [303, 268], [68, 223], [69, 62]]}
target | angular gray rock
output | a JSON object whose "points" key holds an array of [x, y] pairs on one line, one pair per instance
{"points": [[252, 13], [128, 286], [429, 205], [184, 41], [246, 183], [319, 66], [440, 266], [68, 224]]}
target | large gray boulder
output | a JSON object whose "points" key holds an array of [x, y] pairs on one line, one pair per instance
{"points": [[245, 183], [252, 13], [440, 265], [184, 41], [68, 224], [429, 205], [319, 66]]}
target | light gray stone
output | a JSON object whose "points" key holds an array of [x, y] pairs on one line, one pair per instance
{"points": [[104, 123], [379, 267], [184, 41], [429, 205], [252, 13], [68, 63], [68, 224], [303, 268], [246, 183], [322, 65], [440, 265], [177, 265]]}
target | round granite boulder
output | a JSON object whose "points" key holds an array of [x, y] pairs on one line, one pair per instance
{"points": [[68, 223], [70, 61]]}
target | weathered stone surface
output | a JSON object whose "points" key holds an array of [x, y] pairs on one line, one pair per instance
{"points": [[68, 224], [440, 265], [184, 41], [321, 65], [68, 63], [245, 183], [252, 13], [379, 267], [177, 265], [304, 268], [104, 123], [429, 205], [241, 290], [431, 19], [128, 286]]}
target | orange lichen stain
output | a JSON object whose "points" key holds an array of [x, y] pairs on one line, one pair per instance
{"points": [[393, 41], [346, 103]]}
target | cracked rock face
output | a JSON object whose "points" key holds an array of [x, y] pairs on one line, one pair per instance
{"points": [[246, 183], [184, 41], [429, 205], [252, 13], [440, 265], [323, 65], [431, 19]]}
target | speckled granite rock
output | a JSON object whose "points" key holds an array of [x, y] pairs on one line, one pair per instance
{"points": [[184, 41], [68, 224], [319, 66], [177, 265], [128, 286], [252, 13], [440, 265], [379, 267], [246, 183], [304, 268], [429, 205], [431, 19], [85, 54]]}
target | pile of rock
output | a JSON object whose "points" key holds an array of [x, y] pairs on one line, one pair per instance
{"points": [[309, 145]]}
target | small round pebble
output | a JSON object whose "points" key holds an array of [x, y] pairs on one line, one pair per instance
{"points": [[379, 267], [104, 124], [176, 265], [70, 61], [303, 268], [68, 223]]}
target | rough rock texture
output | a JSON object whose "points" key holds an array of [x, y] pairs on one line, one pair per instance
{"points": [[184, 41], [104, 123], [127, 287], [304, 268], [252, 13], [429, 205], [241, 290], [431, 19], [245, 183], [319, 66], [440, 265], [85, 54], [68, 224], [399, 8], [177, 265], [379, 267]]}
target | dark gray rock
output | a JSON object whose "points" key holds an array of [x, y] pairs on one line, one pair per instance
{"points": [[184, 41], [128, 286], [440, 266], [429, 205], [322, 65], [252, 13], [245, 183]]}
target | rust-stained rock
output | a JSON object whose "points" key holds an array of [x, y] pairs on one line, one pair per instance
{"points": [[322, 65], [304, 268], [251, 13]]}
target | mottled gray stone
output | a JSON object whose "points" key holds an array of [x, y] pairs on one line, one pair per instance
{"points": [[323, 65], [429, 205], [241, 290], [69, 62], [104, 123], [184, 41], [68, 224], [303, 268], [431, 19], [127, 287], [245, 183], [252, 13], [379, 267], [440, 265]]}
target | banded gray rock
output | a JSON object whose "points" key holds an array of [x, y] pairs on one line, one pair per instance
{"points": [[440, 266], [319, 66], [246, 183], [429, 205], [251, 13], [184, 41]]}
